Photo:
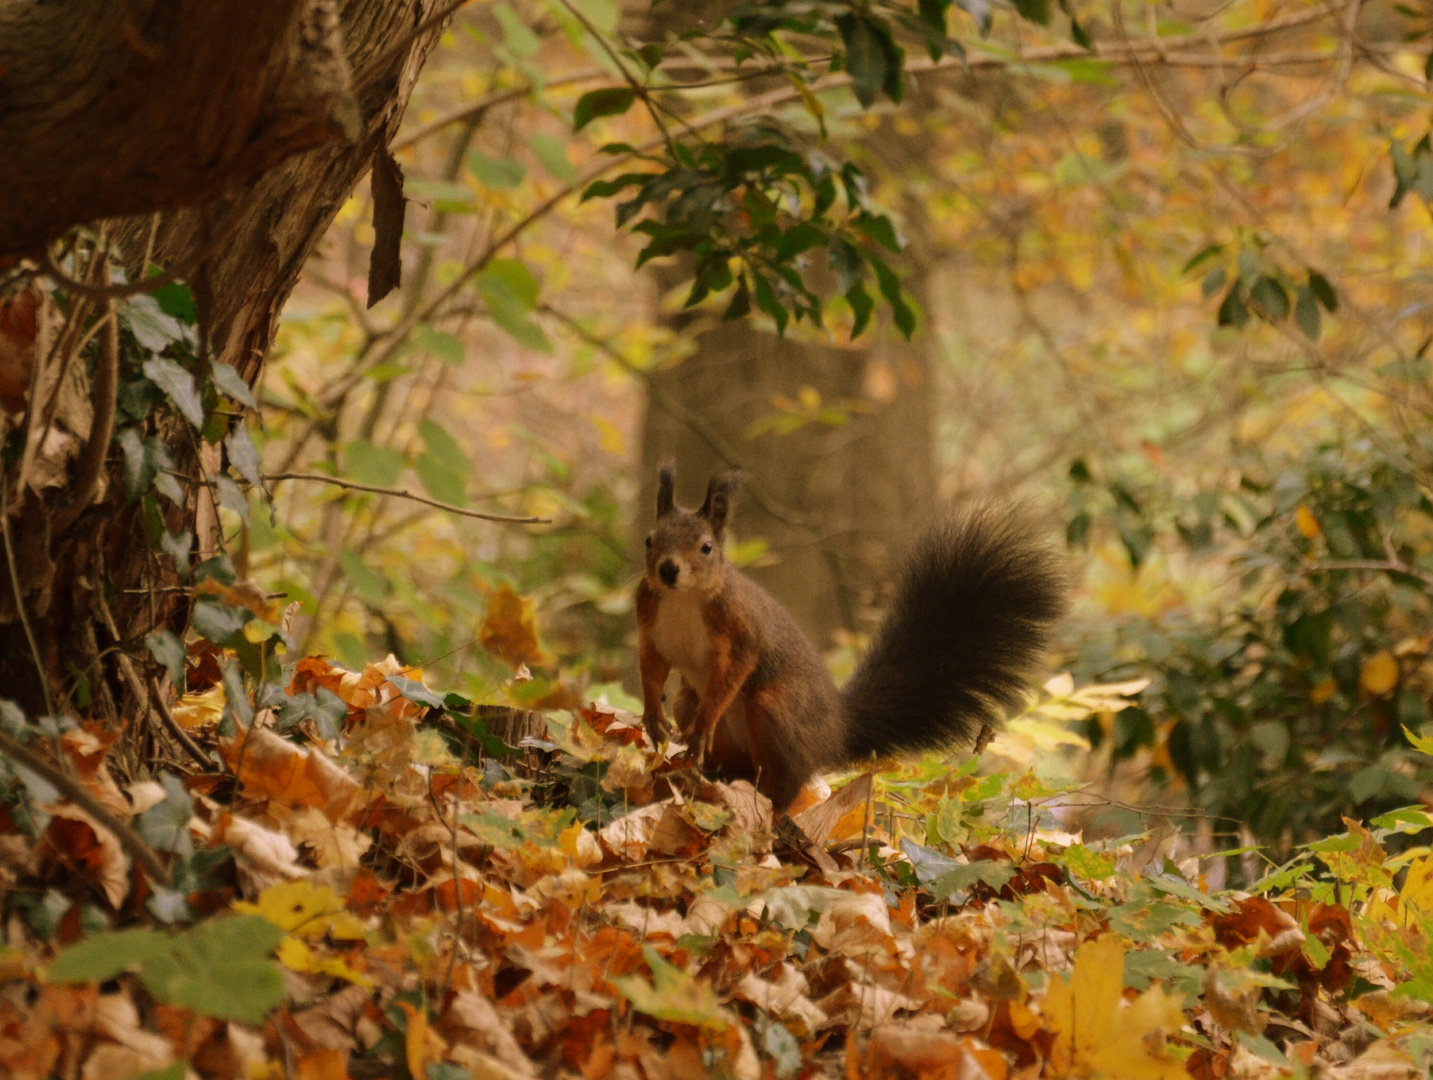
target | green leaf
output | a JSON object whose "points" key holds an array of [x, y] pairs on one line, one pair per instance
{"points": [[221, 968], [1271, 298], [444, 448], [177, 1071], [229, 383], [861, 306], [175, 299], [1201, 257], [178, 384], [1213, 281], [445, 347], [514, 275], [672, 995], [1306, 313], [368, 585], [769, 302], [1233, 312], [608, 101], [1037, 11], [510, 292], [379, 466], [891, 289], [865, 57], [520, 40], [502, 174], [552, 152], [1323, 292], [414, 690], [104, 956], [878, 227], [1422, 743], [442, 484]]}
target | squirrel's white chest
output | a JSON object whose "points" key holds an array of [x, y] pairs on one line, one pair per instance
{"points": [[681, 636]]}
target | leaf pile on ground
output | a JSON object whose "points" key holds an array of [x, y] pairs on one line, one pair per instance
{"points": [[367, 884]]}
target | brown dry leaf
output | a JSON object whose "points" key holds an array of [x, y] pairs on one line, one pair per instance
{"points": [[787, 997], [266, 856], [629, 836], [509, 629], [855, 924], [330, 844], [829, 819], [73, 838], [472, 1020], [929, 1054], [1381, 1061], [19, 327], [274, 768]]}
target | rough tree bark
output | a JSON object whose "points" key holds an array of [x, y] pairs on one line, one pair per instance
{"points": [[269, 79]]}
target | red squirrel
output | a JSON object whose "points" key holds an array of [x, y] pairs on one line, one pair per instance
{"points": [[971, 618]]}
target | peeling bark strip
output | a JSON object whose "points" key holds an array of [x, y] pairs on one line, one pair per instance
{"points": [[113, 109], [385, 265]]}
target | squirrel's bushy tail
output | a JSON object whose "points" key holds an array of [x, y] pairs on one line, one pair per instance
{"points": [[971, 618]]}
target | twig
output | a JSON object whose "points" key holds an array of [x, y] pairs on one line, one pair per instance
{"points": [[126, 665], [399, 494], [78, 794], [103, 292], [19, 597], [182, 737], [104, 394], [1390, 566]]}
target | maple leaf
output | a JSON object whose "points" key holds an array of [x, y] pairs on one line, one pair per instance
{"points": [[1097, 1033]]}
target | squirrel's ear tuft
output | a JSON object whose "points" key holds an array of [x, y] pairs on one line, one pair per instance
{"points": [[720, 491], [666, 483]]}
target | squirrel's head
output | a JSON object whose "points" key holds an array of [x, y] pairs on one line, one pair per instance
{"points": [[684, 548]]}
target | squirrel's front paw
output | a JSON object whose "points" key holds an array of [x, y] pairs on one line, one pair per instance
{"points": [[657, 727]]}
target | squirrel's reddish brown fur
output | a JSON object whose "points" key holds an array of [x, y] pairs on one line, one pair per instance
{"points": [[970, 620]]}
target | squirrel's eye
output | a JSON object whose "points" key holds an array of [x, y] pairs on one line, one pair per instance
{"points": [[707, 548], [649, 541]]}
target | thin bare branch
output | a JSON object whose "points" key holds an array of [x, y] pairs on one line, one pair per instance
{"points": [[397, 493]]}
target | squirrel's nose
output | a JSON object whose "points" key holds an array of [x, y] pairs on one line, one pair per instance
{"points": [[668, 572]]}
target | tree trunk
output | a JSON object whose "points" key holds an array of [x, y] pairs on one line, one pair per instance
{"points": [[241, 246]]}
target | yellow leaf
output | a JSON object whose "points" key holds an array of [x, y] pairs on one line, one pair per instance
{"points": [[1380, 674], [1097, 1034], [196, 710], [1417, 891], [303, 908], [1306, 522], [509, 629], [609, 436], [296, 956]]}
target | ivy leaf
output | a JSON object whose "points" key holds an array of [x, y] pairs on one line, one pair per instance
{"points": [[231, 385], [178, 384], [608, 101], [138, 468], [147, 321], [168, 652], [165, 826], [243, 455]]}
